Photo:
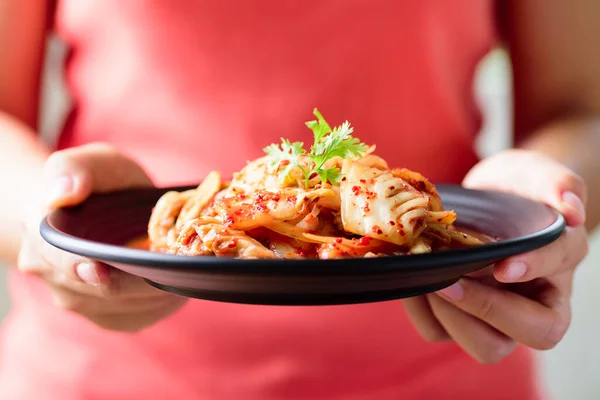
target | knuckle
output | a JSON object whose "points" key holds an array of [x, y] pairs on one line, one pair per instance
{"points": [[485, 309], [556, 332]]}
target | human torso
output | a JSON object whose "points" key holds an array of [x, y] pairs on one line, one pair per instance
{"points": [[188, 86]]}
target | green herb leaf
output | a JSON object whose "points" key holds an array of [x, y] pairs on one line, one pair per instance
{"points": [[320, 127], [327, 144], [286, 151], [332, 175]]}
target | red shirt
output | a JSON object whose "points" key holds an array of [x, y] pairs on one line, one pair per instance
{"points": [[186, 86]]}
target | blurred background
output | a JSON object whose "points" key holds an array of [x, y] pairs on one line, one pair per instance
{"points": [[571, 370]]}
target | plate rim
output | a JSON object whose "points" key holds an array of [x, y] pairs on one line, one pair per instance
{"points": [[110, 253]]}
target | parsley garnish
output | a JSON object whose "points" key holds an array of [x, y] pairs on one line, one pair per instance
{"points": [[328, 143]]}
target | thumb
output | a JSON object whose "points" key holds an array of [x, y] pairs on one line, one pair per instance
{"points": [[70, 176], [536, 177]]}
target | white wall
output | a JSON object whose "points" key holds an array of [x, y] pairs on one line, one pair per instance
{"points": [[572, 368]]}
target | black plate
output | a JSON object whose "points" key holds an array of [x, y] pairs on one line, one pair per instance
{"points": [[103, 224]]}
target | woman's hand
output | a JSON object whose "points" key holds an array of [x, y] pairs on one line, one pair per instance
{"points": [[524, 299], [108, 297]]}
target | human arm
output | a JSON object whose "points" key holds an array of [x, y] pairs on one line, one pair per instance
{"points": [[23, 26], [35, 181], [556, 73], [526, 299]]}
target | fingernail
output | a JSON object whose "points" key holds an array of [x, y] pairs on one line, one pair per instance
{"points": [[514, 271], [88, 274], [454, 292], [59, 188], [574, 203]]}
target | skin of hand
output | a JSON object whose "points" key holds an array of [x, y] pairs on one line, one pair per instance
{"points": [[524, 299], [106, 296]]}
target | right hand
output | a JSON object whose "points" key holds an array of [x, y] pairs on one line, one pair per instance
{"points": [[106, 296]]}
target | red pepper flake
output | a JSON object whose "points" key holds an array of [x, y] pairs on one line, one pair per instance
{"points": [[392, 187], [232, 243], [355, 190], [338, 240], [419, 185], [420, 222], [276, 197], [363, 181], [260, 207], [464, 236], [392, 223], [371, 195], [364, 241], [344, 179], [376, 229]]}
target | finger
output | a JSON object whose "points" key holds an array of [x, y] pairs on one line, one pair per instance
{"points": [[482, 342], [518, 317], [73, 267], [545, 180], [120, 315], [88, 304], [120, 286], [134, 322], [86, 276], [124, 285], [562, 255], [72, 175], [420, 314]]}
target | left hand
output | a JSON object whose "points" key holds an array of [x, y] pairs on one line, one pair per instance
{"points": [[523, 299]]}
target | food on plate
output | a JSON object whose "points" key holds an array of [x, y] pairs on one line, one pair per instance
{"points": [[337, 199]]}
